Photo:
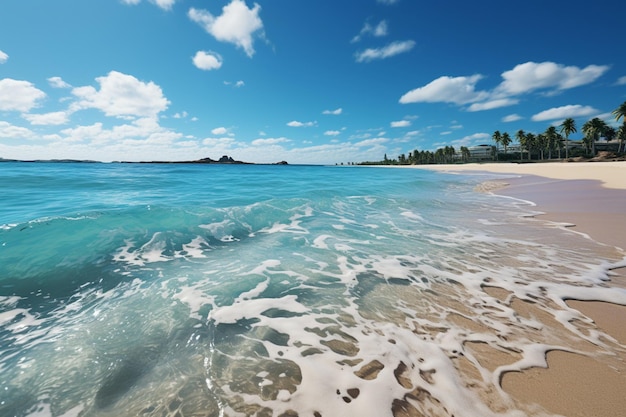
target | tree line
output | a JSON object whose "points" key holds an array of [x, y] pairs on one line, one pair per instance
{"points": [[553, 142]]}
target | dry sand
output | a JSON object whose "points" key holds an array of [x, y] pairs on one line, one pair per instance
{"points": [[611, 174], [591, 197]]}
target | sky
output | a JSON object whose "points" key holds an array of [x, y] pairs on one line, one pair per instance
{"points": [[302, 81]]}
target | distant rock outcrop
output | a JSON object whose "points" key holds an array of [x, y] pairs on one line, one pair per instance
{"points": [[223, 160]]}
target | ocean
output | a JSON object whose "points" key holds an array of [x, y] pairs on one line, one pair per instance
{"points": [[251, 290]]}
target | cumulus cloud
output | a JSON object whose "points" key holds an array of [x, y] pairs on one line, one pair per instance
{"points": [[221, 144], [511, 118], [470, 140], [401, 123], [492, 104], [564, 112], [49, 119], [207, 60], [335, 112], [3, 57], [8, 130], [388, 51], [219, 131], [122, 95], [621, 80], [532, 76], [457, 90], [295, 123], [237, 24], [57, 82], [17, 95], [332, 133], [140, 133], [379, 30], [522, 79]]}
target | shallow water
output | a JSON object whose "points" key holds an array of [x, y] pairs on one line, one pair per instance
{"points": [[189, 290]]}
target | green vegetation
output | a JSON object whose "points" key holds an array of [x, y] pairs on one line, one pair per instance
{"points": [[549, 144]]}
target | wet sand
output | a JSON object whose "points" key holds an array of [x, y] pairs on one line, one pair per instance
{"points": [[590, 198]]}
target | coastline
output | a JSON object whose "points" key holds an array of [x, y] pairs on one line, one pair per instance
{"points": [[590, 197]]}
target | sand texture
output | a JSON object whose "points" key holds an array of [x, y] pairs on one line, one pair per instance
{"points": [[589, 197]]}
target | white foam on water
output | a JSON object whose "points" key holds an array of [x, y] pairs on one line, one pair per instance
{"points": [[304, 316]]}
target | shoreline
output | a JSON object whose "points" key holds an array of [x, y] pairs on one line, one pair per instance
{"points": [[590, 197]]}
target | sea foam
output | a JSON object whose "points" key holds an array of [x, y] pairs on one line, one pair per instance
{"points": [[390, 293]]}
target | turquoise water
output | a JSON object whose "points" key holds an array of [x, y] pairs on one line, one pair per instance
{"points": [[191, 290]]}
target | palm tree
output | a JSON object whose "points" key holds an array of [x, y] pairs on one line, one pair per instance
{"points": [[505, 140], [465, 153], [497, 138], [593, 130], [621, 136], [567, 128], [551, 139], [521, 138], [541, 143], [529, 143], [620, 112], [609, 133]]}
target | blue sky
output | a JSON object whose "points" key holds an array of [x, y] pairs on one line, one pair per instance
{"points": [[306, 81]]}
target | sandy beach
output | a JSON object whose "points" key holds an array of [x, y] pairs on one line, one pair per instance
{"points": [[590, 197]]}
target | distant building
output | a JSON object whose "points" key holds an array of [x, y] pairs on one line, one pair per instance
{"points": [[480, 152]]}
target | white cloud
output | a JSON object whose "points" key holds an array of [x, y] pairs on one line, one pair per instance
{"points": [[122, 95], [388, 51], [207, 60], [378, 31], [57, 82], [219, 131], [181, 115], [621, 80], [236, 25], [332, 133], [335, 112], [531, 76], [236, 84], [17, 95], [457, 90], [53, 118], [371, 142], [492, 104], [295, 123], [564, 112], [3, 57], [401, 123], [471, 140], [163, 4], [138, 134], [8, 130], [269, 141], [511, 118], [222, 144]]}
